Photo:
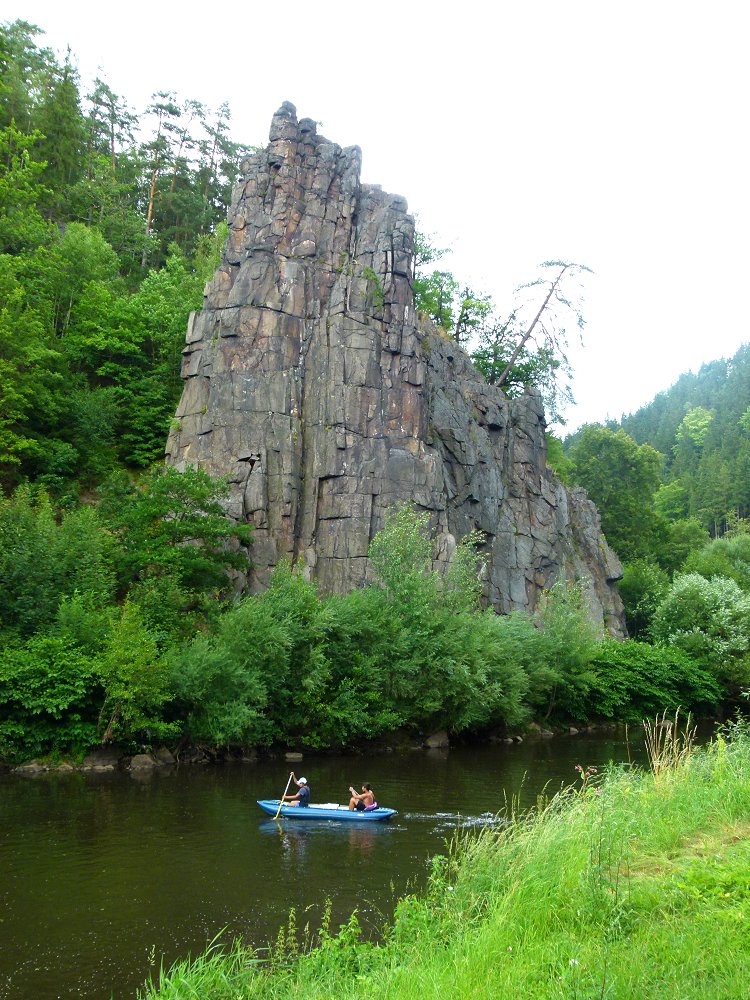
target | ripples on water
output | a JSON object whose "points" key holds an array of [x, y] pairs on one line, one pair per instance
{"points": [[102, 876]]}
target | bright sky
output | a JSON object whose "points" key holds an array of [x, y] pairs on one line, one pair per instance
{"points": [[612, 135]]}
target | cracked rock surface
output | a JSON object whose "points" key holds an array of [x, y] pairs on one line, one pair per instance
{"points": [[312, 386]]}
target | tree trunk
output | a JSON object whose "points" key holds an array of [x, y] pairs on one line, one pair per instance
{"points": [[150, 212], [522, 341]]}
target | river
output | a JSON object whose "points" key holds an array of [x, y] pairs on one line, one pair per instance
{"points": [[103, 877]]}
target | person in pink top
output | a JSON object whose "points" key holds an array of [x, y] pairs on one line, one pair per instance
{"points": [[365, 800]]}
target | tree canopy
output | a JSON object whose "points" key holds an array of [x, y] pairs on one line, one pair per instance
{"points": [[621, 477], [110, 224]]}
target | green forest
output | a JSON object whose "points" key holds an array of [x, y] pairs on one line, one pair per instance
{"points": [[117, 618], [672, 484]]}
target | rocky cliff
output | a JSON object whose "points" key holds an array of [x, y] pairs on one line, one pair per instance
{"points": [[314, 388]]}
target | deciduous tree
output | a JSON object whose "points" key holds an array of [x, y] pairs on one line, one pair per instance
{"points": [[173, 524], [621, 477]]}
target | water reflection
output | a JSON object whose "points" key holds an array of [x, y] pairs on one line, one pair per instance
{"points": [[350, 843], [100, 869]]}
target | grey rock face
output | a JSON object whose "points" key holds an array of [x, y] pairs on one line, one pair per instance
{"points": [[313, 387], [142, 762]]}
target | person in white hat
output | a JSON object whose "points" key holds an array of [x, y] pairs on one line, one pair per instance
{"points": [[302, 797]]}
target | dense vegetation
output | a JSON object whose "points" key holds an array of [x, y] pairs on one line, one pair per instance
{"points": [[117, 618], [700, 430], [635, 885], [114, 629], [671, 483], [107, 237], [701, 425]]}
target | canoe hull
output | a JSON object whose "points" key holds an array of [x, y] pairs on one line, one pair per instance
{"points": [[270, 806]]}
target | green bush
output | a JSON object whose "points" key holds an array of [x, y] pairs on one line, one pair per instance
{"points": [[264, 672], [360, 636], [49, 695], [45, 558], [135, 679], [727, 557], [561, 650], [173, 524], [710, 621], [441, 664], [221, 682], [636, 681], [683, 537]]}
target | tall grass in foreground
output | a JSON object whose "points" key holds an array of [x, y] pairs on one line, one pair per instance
{"points": [[631, 886], [667, 745]]}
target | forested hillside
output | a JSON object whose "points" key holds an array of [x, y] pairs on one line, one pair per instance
{"points": [[672, 483], [110, 223], [702, 427]]}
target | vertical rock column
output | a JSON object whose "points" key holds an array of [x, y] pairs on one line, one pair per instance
{"points": [[310, 385], [301, 372]]}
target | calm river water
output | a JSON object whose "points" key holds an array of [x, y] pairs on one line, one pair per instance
{"points": [[104, 876]]}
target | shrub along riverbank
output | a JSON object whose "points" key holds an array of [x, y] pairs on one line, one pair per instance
{"points": [[637, 885], [114, 630]]}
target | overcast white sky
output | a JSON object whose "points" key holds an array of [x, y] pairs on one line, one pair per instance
{"points": [[610, 134]]}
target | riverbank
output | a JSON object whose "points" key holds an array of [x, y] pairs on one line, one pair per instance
{"points": [[115, 758], [176, 855], [636, 885]]}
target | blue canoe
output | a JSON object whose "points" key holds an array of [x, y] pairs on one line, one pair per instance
{"points": [[327, 811]]}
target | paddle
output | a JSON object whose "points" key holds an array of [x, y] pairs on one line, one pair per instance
{"points": [[281, 800]]}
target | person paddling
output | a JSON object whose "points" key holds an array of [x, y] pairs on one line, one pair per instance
{"points": [[302, 797], [365, 800]]}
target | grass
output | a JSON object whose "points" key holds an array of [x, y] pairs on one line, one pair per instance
{"points": [[633, 886]]}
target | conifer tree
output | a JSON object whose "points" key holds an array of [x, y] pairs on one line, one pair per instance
{"points": [[61, 124]]}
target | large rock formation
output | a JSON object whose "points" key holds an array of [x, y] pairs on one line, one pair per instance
{"points": [[311, 385]]}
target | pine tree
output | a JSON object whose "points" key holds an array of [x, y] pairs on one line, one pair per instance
{"points": [[61, 123], [24, 70]]}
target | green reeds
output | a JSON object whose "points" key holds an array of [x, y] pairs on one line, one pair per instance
{"points": [[668, 745], [213, 974]]}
